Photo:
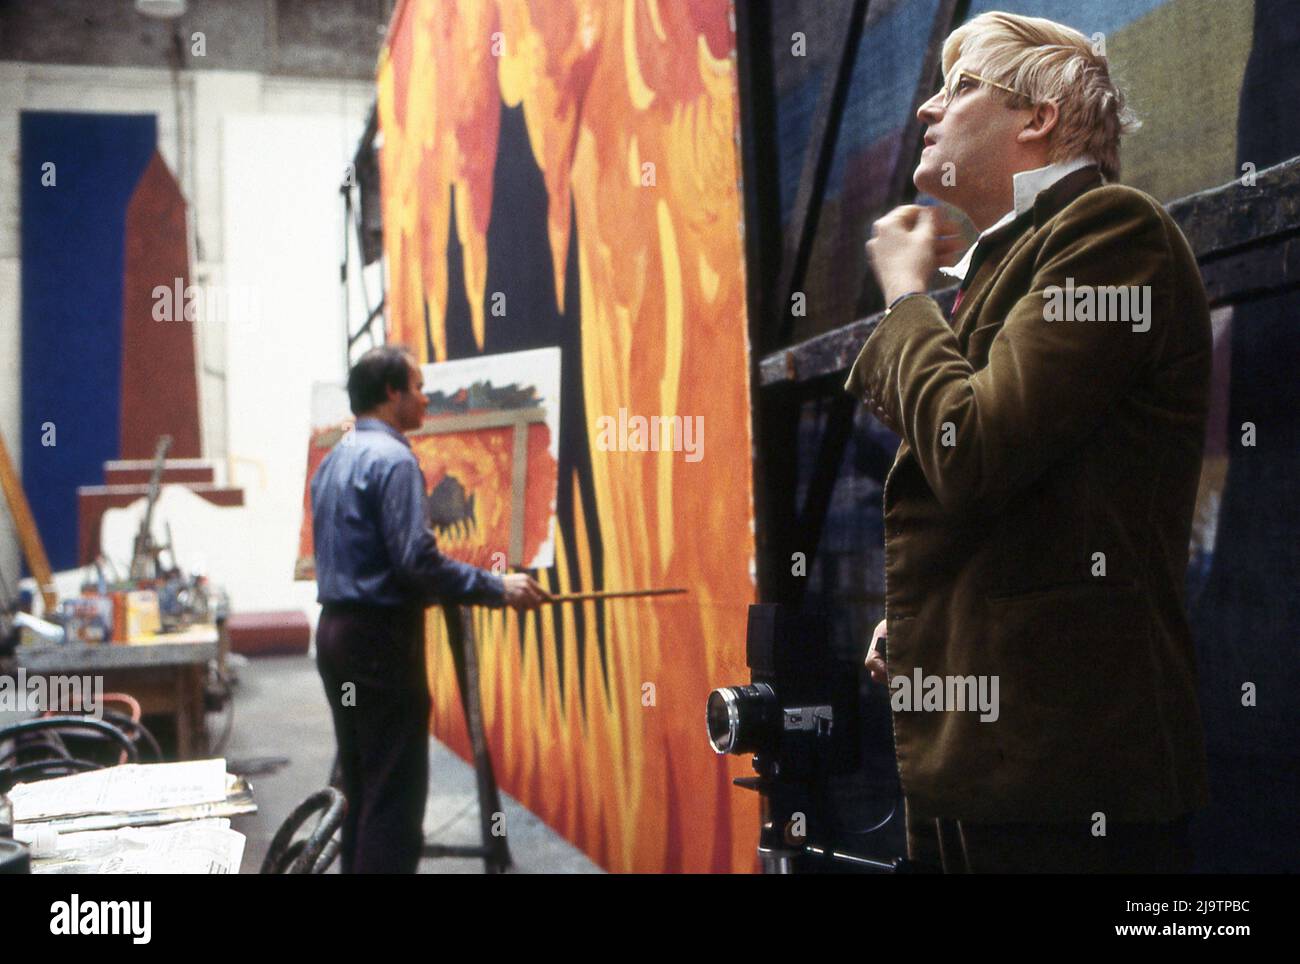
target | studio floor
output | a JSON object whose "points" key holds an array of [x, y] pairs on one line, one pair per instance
{"points": [[281, 715]]}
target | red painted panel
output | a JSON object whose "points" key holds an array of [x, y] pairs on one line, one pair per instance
{"points": [[159, 385]]}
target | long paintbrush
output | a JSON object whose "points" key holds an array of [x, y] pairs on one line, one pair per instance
{"points": [[613, 594]]}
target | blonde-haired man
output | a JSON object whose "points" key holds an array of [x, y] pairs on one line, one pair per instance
{"points": [[1038, 512]]}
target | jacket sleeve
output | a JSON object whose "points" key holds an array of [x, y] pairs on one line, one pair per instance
{"points": [[981, 436], [413, 549]]}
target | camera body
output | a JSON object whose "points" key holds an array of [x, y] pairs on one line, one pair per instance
{"points": [[799, 716]]}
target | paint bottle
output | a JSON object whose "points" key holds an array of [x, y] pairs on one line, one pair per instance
{"points": [[119, 617]]}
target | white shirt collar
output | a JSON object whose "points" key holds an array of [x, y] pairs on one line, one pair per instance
{"points": [[1025, 188]]}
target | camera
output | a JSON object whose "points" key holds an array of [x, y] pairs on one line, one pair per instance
{"points": [[799, 717]]}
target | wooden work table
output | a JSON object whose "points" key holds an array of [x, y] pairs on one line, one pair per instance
{"points": [[166, 675]]}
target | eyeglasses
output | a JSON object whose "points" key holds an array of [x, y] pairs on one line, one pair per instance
{"points": [[960, 77]]}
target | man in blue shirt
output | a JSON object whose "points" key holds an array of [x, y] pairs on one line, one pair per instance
{"points": [[377, 568]]}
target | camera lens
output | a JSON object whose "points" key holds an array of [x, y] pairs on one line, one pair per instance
{"points": [[743, 719]]}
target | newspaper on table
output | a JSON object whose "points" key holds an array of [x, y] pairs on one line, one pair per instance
{"points": [[192, 847], [154, 818], [130, 788]]}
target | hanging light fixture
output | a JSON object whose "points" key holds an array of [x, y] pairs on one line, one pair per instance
{"points": [[161, 9]]}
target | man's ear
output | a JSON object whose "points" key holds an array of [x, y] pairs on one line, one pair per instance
{"points": [[1040, 123]]}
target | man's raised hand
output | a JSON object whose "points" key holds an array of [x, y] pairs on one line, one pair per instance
{"points": [[523, 592], [908, 244]]}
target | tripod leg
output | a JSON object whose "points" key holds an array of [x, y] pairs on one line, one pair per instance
{"points": [[460, 631]]}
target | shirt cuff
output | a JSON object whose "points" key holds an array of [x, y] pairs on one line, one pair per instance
{"points": [[493, 589]]}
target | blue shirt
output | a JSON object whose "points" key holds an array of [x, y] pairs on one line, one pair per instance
{"points": [[371, 530]]}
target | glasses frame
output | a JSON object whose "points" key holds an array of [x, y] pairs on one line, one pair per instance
{"points": [[949, 91]]}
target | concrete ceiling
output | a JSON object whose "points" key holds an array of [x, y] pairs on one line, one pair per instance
{"points": [[307, 38]]}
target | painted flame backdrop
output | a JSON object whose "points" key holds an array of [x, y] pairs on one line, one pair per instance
{"points": [[566, 173]]}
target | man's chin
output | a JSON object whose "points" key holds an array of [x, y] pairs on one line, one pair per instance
{"points": [[927, 180]]}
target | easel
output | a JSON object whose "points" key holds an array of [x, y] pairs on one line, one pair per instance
{"points": [[495, 849]]}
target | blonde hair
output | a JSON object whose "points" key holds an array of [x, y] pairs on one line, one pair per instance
{"points": [[1044, 60]]}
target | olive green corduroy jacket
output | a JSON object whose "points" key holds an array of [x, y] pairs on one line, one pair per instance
{"points": [[1038, 514]]}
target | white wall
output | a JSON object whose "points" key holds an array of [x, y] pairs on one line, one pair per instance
{"points": [[281, 145], [278, 234]]}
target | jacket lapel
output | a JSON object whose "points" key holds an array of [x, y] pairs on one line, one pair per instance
{"points": [[996, 251], [986, 272]]}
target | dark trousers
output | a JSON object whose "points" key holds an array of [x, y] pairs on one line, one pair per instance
{"points": [[371, 662], [963, 847]]}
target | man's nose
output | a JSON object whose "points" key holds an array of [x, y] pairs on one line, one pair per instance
{"points": [[931, 110]]}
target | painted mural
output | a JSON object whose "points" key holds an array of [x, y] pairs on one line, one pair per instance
{"points": [[566, 174]]}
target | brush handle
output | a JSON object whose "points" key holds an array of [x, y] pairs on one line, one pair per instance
{"points": [[614, 594]]}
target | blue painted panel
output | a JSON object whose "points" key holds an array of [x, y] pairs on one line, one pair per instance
{"points": [[72, 263]]}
